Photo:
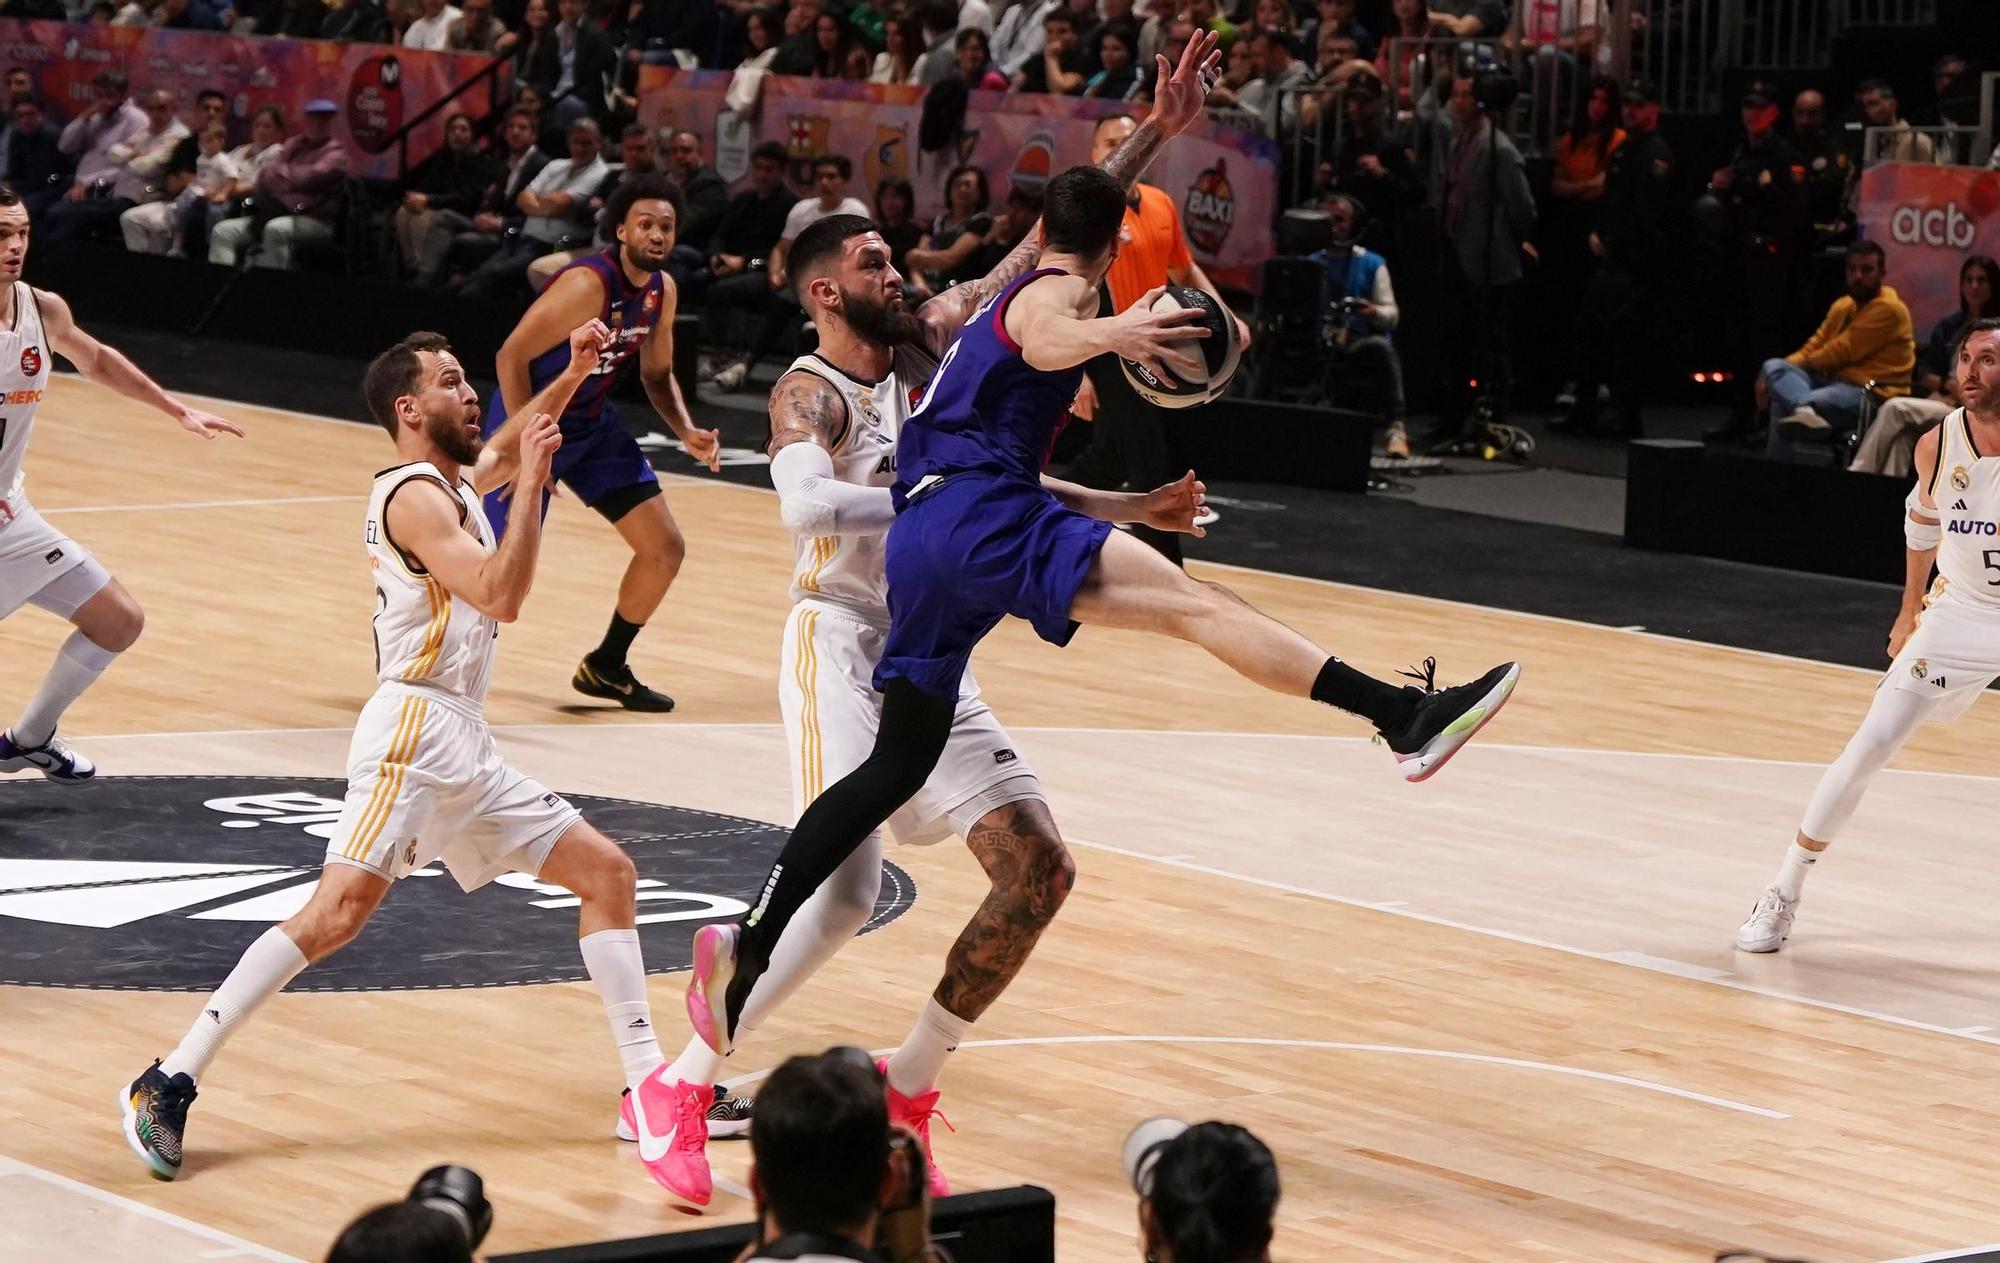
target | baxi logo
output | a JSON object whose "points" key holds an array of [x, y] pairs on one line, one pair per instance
{"points": [[1950, 228], [158, 883]]}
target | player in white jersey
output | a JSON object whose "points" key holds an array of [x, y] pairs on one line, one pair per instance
{"points": [[1945, 644], [834, 418], [425, 781], [39, 565]]}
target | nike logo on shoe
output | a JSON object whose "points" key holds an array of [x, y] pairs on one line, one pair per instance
{"points": [[652, 1144]]}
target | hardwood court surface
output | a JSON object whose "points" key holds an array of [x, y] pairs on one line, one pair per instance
{"points": [[1495, 1017]]}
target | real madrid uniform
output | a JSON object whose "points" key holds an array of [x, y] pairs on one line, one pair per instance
{"points": [[839, 625], [33, 554], [1954, 653], [424, 778]]}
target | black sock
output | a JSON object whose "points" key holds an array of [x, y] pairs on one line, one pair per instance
{"points": [[1383, 704], [610, 652]]}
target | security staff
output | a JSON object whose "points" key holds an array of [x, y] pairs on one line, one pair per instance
{"points": [[1829, 170]]}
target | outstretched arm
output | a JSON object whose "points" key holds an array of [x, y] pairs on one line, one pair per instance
{"points": [[106, 364], [1173, 507], [808, 420], [428, 524], [500, 458]]}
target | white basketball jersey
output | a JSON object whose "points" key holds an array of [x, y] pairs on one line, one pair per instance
{"points": [[424, 636], [24, 374], [846, 570], [1967, 493]]}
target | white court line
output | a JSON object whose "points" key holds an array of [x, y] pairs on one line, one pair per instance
{"points": [[1328, 1045], [1945, 1256], [231, 1247], [198, 504]]}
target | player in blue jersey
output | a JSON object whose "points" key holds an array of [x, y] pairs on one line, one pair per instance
{"points": [[978, 538], [625, 286]]}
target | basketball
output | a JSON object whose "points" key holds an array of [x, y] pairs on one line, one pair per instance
{"points": [[1219, 353]]}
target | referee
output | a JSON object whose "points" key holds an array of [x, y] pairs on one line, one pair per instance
{"points": [[1128, 444]]}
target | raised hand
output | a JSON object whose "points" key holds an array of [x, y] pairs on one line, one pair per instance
{"points": [[587, 344], [1182, 89], [539, 440]]}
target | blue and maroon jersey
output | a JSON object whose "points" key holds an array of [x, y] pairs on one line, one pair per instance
{"points": [[985, 409], [629, 312]]}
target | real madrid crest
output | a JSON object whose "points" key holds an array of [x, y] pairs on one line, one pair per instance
{"points": [[1960, 480], [866, 407], [1920, 668]]}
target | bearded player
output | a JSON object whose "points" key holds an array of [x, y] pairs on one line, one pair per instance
{"points": [[627, 288]]}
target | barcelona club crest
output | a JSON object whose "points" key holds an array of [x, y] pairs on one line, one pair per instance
{"points": [[805, 139], [889, 156], [31, 362]]}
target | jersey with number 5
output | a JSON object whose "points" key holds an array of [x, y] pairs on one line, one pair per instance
{"points": [[986, 408], [1966, 489]]}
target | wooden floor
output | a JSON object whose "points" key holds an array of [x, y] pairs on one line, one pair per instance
{"points": [[1491, 1018]]}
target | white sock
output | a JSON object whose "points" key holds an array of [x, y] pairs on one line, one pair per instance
{"points": [[615, 965], [1792, 873], [698, 1064], [75, 669], [916, 1066], [266, 967]]}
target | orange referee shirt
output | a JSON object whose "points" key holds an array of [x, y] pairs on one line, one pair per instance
{"points": [[1150, 241]]}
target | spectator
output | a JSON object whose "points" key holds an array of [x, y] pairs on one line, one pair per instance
{"points": [[570, 68], [36, 165], [868, 22], [1207, 14], [1486, 215], [134, 171], [826, 1167], [831, 172], [1360, 301], [831, 44], [550, 137], [89, 141], [450, 180], [1017, 39], [291, 19], [1890, 445], [799, 51], [1761, 197], [1239, 67], [136, 13], [636, 160], [1119, 78], [1084, 17], [1276, 15], [1865, 338], [1335, 48], [432, 30], [903, 47], [1338, 17], [524, 46], [1628, 240], [1471, 19], [1274, 97], [1373, 161], [296, 198], [1582, 157], [704, 200], [948, 253], [1905, 143], [1405, 59], [939, 62], [895, 211], [188, 15], [477, 30], [737, 277], [550, 207], [154, 227], [1829, 170], [1558, 37], [975, 61], [198, 221], [1209, 1195], [355, 21], [1060, 68], [457, 242]]}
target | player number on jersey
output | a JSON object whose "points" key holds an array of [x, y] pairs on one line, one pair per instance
{"points": [[950, 354], [1992, 559]]}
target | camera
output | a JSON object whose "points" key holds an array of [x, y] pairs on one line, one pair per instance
{"points": [[1333, 330], [1142, 1150], [461, 1195]]}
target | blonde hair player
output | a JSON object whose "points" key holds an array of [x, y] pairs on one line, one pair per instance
{"points": [[425, 781], [1946, 639], [39, 565]]}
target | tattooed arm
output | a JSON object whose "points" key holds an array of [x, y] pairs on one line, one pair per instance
{"points": [[808, 422], [1176, 105]]}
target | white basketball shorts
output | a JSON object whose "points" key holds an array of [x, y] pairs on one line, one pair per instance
{"points": [[425, 782], [33, 554], [1951, 657], [831, 711]]}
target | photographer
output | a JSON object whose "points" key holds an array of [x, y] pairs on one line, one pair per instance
{"points": [[1207, 1193], [443, 1220], [832, 1180], [1360, 306]]}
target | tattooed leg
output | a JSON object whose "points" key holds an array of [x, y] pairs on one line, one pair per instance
{"points": [[1031, 874]]}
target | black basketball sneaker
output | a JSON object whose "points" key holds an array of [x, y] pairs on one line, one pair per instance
{"points": [[620, 685], [155, 1109], [1444, 719]]}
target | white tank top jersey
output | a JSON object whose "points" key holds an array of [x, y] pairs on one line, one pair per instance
{"points": [[24, 374], [425, 637], [1967, 493], [846, 570]]}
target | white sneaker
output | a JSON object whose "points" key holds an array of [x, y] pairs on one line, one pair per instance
{"points": [[1770, 923], [732, 377], [1804, 424]]}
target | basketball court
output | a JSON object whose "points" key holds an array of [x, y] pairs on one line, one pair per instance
{"points": [[1493, 1017]]}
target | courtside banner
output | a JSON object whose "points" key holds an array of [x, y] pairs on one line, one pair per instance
{"points": [[1927, 219], [1223, 179], [378, 87]]}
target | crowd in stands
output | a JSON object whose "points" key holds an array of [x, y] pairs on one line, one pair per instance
{"points": [[1396, 120]]}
